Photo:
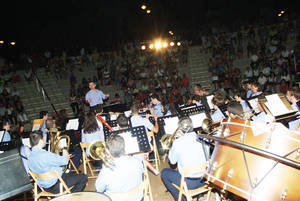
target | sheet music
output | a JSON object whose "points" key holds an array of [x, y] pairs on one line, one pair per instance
{"points": [[1, 135], [72, 124], [275, 105], [209, 98], [197, 119], [127, 113], [36, 127], [171, 125], [254, 104], [26, 141], [131, 143], [113, 117]]}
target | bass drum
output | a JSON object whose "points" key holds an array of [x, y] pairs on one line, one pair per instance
{"points": [[251, 176]]}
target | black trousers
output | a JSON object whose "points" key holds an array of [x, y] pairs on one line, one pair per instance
{"points": [[78, 181]]}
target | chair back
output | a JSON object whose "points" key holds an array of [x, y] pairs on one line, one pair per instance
{"points": [[195, 169], [127, 195]]}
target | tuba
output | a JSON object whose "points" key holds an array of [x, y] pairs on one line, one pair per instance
{"points": [[58, 142], [99, 151]]}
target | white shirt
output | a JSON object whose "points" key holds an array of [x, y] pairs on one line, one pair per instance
{"points": [[262, 80], [125, 176], [186, 151], [254, 58], [92, 137], [249, 73], [141, 121]]}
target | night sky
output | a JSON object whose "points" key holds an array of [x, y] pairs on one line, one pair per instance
{"points": [[69, 23]]}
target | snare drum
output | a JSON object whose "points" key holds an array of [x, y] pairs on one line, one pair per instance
{"points": [[86, 196], [251, 176]]}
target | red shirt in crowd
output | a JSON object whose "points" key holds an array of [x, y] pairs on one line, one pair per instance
{"points": [[185, 81]]}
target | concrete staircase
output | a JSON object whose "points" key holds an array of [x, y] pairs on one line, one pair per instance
{"points": [[197, 63]]}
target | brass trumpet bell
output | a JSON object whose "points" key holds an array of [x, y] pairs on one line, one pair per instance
{"points": [[99, 151], [166, 141], [207, 125]]}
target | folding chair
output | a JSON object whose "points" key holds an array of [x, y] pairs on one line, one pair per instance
{"points": [[189, 193], [86, 161], [63, 188], [155, 150]]}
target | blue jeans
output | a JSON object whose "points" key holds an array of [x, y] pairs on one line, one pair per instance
{"points": [[170, 176]]}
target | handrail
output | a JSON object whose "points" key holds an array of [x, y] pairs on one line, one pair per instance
{"points": [[46, 94]]}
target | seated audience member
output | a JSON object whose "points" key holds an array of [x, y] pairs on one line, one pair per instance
{"points": [[6, 127], [41, 161], [218, 101], [185, 151], [92, 130], [125, 175]]}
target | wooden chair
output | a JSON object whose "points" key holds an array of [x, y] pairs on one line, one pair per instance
{"points": [[143, 187], [64, 189], [86, 161], [189, 193], [155, 150]]}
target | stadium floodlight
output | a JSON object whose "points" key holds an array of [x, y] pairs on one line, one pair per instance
{"points": [[172, 44], [143, 47], [151, 46], [178, 43]]}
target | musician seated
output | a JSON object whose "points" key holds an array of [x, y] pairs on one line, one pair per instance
{"points": [[137, 120], [92, 130], [256, 89], [235, 110], [293, 97], [41, 161], [44, 116], [243, 103], [262, 117], [156, 104], [6, 127], [218, 101], [185, 151], [125, 175]]}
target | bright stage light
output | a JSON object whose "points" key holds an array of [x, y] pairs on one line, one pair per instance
{"points": [[172, 44], [178, 43], [279, 14], [143, 7], [148, 11], [13, 43], [151, 46], [165, 44], [171, 33], [1, 42], [158, 45], [282, 11], [143, 47]]}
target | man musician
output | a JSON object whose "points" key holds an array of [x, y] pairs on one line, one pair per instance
{"points": [[95, 97], [41, 161], [185, 151]]}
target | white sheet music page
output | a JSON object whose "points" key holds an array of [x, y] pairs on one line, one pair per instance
{"points": [[131, 143], [72, 124], [171, 125], [36, 127], [275, 105], [197, 119], [1, 135], [26, 142], [62, 143], [209, 98], [254, 105]]}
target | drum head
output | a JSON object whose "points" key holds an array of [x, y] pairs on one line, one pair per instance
{"points": [[87, 196]]}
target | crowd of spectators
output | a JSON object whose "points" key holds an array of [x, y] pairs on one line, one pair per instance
{"points": [[11, 106], [271, 62]]}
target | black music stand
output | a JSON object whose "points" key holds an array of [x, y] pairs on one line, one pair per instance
{"points": [[107, 132], [162, 122], [141, 135], [196, 113]]}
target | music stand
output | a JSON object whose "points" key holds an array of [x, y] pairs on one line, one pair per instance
{"points": [[106, 131], [275, 102], [37, 124], [137, 134], [168, 124], [196, 113], [2, 132]]}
